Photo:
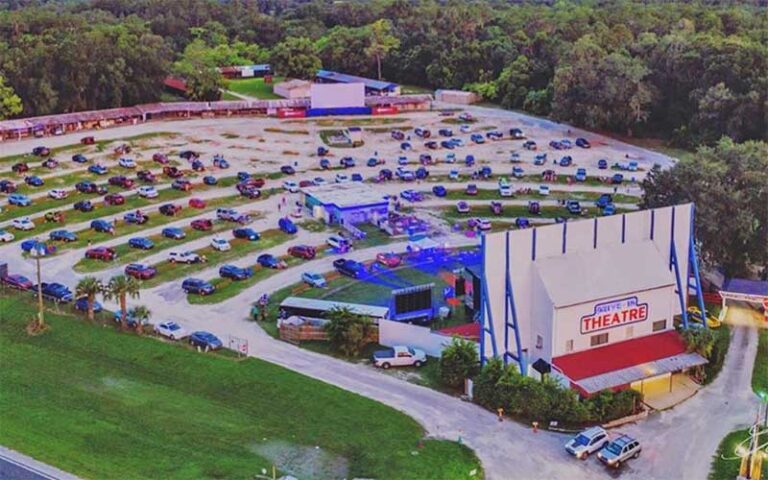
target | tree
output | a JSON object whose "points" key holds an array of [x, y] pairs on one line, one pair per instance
{"points": [[120, 288], [142, 314], [701, 341], [458, 362], [348, 332], [89, 287], [381, 41], [344, 49], [727, 184], [10, 103], [296, 57]]}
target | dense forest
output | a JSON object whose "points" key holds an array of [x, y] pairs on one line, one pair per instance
{"points": [[688, 72]]}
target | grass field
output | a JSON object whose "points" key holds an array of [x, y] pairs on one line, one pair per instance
{"points": [[727, 468], [102, 404], [514, 211], [760, 373], [254, 87], [486, 194]]}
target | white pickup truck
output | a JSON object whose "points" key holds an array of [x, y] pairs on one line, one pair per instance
{"points": [[399, 356]]}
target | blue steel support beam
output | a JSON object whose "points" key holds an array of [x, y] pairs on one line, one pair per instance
{"points": [[693, 266], [514, 325], [486, 317]]}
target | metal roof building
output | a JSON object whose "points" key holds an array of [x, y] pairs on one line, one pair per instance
{"points": [[372, 87]]}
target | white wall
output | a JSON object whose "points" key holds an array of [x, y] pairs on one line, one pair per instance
{"points": [[396, 333], [337, 95]]}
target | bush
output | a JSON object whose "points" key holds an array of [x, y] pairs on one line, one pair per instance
{"points": [[458, 361], [347, 331]]}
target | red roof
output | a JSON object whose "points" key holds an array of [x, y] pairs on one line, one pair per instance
{"points": [[617, 356], [470, 331], [176, 83]]}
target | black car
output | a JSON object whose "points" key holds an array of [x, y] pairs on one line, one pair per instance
{"points": [[247, 233], [7, 186], [189, 155], [84, 206], [287, 169], [385, 174], [349, 268]]}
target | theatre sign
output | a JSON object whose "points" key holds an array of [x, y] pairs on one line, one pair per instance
{"points": [[615, 313]]}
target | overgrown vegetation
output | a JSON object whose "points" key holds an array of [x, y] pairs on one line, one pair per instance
{"points": [[725, 462], [460, 360], [348, 332], [760, 372]]}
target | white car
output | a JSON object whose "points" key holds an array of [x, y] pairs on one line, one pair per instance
{"points": [[171, 330], [482, 224], [23, 223], [314, 279], [453, 175], [127, 163], [458, 142], [399, 356], [505, 191], [148, 192], [6, 236], [450, 158], [342, 178], [587, 442], [543, 189], [184, 257], [220, 244], [464, 129], [58, 193], [291, 186], [338, 243]]}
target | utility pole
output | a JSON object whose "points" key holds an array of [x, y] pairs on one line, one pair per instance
{"points": [[39, 248]]}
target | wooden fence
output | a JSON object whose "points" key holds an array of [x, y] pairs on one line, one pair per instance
{"points": [[302, 333]]}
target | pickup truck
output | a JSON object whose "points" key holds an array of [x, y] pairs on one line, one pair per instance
{"points": [[349, 268], [399, 356], [55, 291]]}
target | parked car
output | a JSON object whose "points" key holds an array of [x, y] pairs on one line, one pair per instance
{"points": [[203, 224], [471, 189], [160, 158], [603, 200], [171, 330], [411, 195], [88, 140], [34, 181], [307, 252], [7, 186], [197, 203], [530, 145], [469, 160], [146, 176], [86, 187], [169, 209], [234, 272], [20, 167], [181, 184], [19, 200], [405, 174], [246, 233], [432, 145], [184, 257], [56, 291], [481, 224], [127, 162], [98, 169], [137, 217], [422, 132], [291, 186], [84, 206], [106, 254], [62, 236], [16, 281], [220, 244], [617, 179], [389, 259], [602, 164], [220, 162], [494, 135], [439, 191], [198, 166], [462, 207], [349, 268], [210, 180], [477, 138], [23, 223], [496, 208], [385, 174], [587, 442], [399, 356], [314, 279], [41, 151], [148, 192], [518, 172], [197, 286], [581, 175], [522, 222], [50, 163], [398, 135], [81, 304], [544, 190], [102, 226], [421, 173], [619, 451], [141, 243], [172, 172], [347, 162], [189, 155], [516, 133], [205, 340], [339, 243], [609, 209], [267, 260], [573, 207], [582, 142], [140, 271], [287, 170], [175, 233], [114, 199], [6, 236], [287, 226], [566, 161]]}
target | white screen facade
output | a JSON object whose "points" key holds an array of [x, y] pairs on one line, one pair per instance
{"points": [[337, 95]]}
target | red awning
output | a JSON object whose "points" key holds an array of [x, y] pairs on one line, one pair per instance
{"points": [[619, 356]]}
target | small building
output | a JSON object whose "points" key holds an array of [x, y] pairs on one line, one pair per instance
{"points": [[293, 88], [456, 96], [246, 71], [355, 135], [176, 85], [345, 203], [372, 87]]}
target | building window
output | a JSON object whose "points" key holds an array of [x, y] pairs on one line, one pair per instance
{"points": [[569, 345], [659, 325], [539, 341], [630, 331], [596, 340]]}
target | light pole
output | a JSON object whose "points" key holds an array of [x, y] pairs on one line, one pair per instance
{"points": [[39, 249]]}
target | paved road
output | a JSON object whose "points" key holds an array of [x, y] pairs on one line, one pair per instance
{"points": [[16, 466]]}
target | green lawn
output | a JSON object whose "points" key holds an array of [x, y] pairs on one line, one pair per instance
{"points": [[514, 211], [254, 87], [486, 194], [727, 468], [103, 404], [760, 373]]}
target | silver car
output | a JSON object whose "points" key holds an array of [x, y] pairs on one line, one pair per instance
{"points": [[619, 451], [587, 442]]}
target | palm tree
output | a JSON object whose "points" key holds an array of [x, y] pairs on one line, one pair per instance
{"points": [[89, 287], [120, 288], [141, 313]]}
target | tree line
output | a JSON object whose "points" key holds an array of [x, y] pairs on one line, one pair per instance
{"points": [[690, 72]]}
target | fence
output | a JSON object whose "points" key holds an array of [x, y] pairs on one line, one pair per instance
{"points": [[305, 333], [393, 333]]}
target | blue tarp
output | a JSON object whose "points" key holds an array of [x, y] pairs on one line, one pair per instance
{"points": [[746, 287], [322, 112]]}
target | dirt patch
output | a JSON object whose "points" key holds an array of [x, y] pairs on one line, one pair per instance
{"points": [[302, 461]]}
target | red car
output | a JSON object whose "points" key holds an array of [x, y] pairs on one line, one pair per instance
{"points": [[101, 253], [114, 199], [471, 189], [20, 167], [391, 260], [121, 181], [169, 209], [302, 251], [197, 203], [160, 158], [146, 176], [122, 149], [140, 271], [183, 185], [254, 182], [305, 183], [19, 282], [87, 140], [203, 225], [172, 172]]}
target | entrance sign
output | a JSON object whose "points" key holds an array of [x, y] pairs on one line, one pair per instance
{"points": [[615, 313]]}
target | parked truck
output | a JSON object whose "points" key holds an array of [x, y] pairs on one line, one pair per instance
{"points": [[399, 356]]}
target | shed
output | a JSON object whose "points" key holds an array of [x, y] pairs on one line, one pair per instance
{"points": [[293, 88], [456, 96]]}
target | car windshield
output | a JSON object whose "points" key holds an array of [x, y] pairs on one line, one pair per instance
{"points": [[614, 448], [173, 326], [581, 439]]}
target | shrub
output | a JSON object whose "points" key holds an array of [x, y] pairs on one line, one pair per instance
{"points": [[348, 332], [458, 361]]}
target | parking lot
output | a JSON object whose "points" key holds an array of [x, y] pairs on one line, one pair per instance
{"points": [[260, 147]]}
